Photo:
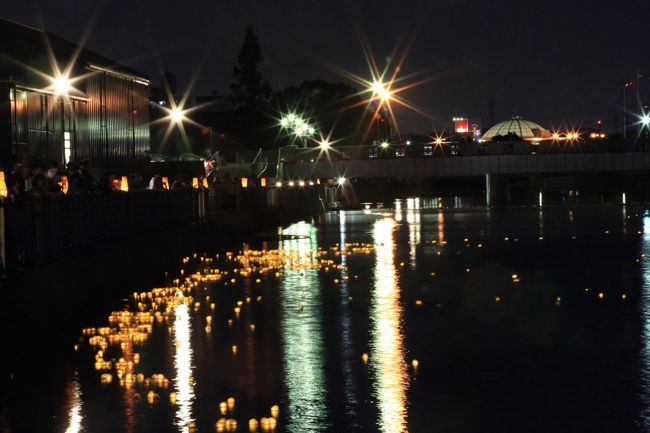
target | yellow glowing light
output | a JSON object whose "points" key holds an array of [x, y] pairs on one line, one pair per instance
{"points": [[195, 182], [263, 182], [3, 185], [63, 183], [61, 85], [244, 182], [380, 90], [176, 115], [124, 184]]}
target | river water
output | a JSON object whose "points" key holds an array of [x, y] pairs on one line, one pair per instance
{"points": [[419, 320]]}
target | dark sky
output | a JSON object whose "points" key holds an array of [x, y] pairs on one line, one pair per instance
{"points": [[550, 61]]}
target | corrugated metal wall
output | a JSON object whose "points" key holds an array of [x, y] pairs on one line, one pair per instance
{"points": [[111, 128], [117, 119]]}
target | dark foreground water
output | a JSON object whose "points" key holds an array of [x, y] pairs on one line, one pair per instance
{"points": [[379, 321]]}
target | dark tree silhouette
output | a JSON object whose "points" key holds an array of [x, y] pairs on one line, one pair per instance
{"points": [[249, 87]]}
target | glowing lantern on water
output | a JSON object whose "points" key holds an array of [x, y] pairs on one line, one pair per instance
{"points": [[364, 357], [165, 181], [205, 182], [415, 363], [275, 411], [222, 407], [3, 185], [195, 182], [263, 182], [124, 184], [244, 182], [63, 183], [252, 424], [317, 181]]}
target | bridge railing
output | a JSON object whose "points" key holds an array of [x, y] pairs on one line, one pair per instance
{"points": [[293, 154]]}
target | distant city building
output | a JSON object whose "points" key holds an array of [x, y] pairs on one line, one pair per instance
{"points": [[524, 129], [54, 111], [467, 128]]}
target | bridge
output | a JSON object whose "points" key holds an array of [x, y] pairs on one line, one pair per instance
{"points": [[467, 166], [495, 168]]}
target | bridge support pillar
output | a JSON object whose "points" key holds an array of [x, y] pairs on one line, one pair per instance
{"points": [[497, 190]]}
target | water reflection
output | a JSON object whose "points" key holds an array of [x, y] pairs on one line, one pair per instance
{"points": [[441, 226], [74, 401], [387, 341], [183, 363], [347, 351], [415, 229], [645, 314], [302, 334]]}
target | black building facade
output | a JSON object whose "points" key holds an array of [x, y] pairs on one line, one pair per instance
{"points": [[100, 112]]}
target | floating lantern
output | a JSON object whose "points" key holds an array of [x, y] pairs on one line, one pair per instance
{"points": [[205, 182], [263, 182], [623, 296], [165, 182], [152, 397], [275, 411], [418, 302], [234, 348], [364, 357], [244, 182], [252, 424], [124, 184], [172, 397], [195, 182], [231, 403], [223, 407], [415, 363], [601, 295], [221, 425]]}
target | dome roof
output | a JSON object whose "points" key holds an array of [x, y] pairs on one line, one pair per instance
{"points": [[525, 129]]}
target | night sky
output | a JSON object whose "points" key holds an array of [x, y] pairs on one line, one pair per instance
{"points": [[550, 61]]}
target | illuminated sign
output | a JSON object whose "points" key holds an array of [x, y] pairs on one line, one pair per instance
{"points": [[461, 124]]}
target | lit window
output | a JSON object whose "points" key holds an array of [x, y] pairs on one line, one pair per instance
{"points": [[67, 148]]}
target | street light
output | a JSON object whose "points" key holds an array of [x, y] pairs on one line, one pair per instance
{"points": [[384, 144], [645, 120], [341, 180], [176, 115], [61, 85], [380, 90], [324, 144], [297, 126]]}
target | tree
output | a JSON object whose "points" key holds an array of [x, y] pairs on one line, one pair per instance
{"points": [[249, 88]]}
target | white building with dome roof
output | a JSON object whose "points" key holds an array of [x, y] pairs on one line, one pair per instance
{"points": [[524, 129]]}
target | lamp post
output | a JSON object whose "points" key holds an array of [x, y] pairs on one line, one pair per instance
{"points": [[624, 85]]}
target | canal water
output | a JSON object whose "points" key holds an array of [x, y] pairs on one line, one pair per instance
{"points": [[416, 319]]}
